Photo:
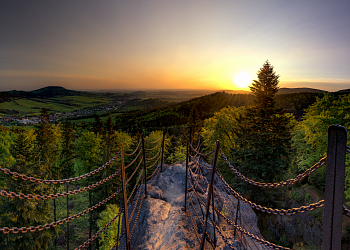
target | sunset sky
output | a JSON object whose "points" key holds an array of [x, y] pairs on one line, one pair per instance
{"points": [[168, 44]]}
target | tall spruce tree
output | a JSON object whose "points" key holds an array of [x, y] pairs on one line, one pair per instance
{"points": [[98, 125], [263, 137]]}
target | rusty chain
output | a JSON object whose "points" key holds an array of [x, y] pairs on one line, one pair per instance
{"points": [[153, 142], [346, 211], [154, 163], [137, 201], [132, 162], [118, 240], [178, 137], [138, 214], [33, 179], [222, 236], [206, 233], [254, 237], [58, 195], [154, 178], [150, 149], [86, 243], [15, 230], [138, 145], [133, 190], [150, 159], [290, 211], [194, 228], [289, 182], [134, 171], [201, 154]]}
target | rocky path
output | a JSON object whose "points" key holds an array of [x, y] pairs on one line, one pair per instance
{"points": [[163, 224]]}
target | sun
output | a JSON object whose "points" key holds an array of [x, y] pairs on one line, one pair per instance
{"points": [[242, 79]]}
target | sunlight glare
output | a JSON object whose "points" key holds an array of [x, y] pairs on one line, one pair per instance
{"points": [[242, 79]]}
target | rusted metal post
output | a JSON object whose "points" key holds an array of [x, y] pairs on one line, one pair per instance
{"points": [[125, 202], [334, 188], [55, 219], [213, 205], [120, 208], [90, 220], [237, 211], [189, 157], [67, 212], [210, 193], [144, 163], [191, 134], [161, 161], [187, 153]]}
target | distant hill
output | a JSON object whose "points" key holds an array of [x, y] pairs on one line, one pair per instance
{"points": [[344, 91], [52, 91], [298, 90], [46, 92], [237, 91]]}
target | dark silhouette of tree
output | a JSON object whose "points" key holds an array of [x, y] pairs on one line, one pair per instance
{"points": [[98, 125], [263, 137]]}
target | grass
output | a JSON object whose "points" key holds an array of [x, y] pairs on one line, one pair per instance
{"points": [[57, 104]]}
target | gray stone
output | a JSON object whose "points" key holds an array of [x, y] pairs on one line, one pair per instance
{"points": [[154, 192], [163, 224]]}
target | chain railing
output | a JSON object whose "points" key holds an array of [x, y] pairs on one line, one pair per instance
{"points": [[289, 182], [133, 215], [215, 181], [59, 195], [346, 211], [62, 181], [56, 223], [89, 241]]}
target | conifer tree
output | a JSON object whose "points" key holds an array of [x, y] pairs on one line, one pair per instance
{"points": [[67, 149], [98, 125], [109, 138], [24, 213], [263, 137]]}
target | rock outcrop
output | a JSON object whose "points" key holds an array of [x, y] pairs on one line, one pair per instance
{"points": [[163, 224]]}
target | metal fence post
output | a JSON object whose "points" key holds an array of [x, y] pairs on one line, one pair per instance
{"points": [[234, 234], [161, 161], [187, 153], [144, 163], [67, 212], [125, 202], [210, 193], [213, 205], [334, 188]]}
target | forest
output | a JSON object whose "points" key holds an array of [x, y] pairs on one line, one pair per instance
{"points": [[267, 137]]}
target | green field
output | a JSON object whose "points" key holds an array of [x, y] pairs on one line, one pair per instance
{"points": [[57, 104]]}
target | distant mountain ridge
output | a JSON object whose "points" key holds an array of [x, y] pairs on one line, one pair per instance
{"points": [[52, 91], [282, 91], [46, 92]]}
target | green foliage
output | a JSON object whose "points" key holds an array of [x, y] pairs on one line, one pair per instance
{"points": [[108, 238], [25, 213], [310, 135], [88, 149], [152, 150], [177, 115], [283, 241], [6, 138], [262, 139], [179, 155], [98, 125], [221, 127]]}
